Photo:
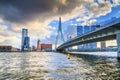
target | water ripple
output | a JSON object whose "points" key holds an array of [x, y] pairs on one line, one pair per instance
{"points": [[56, 66]]}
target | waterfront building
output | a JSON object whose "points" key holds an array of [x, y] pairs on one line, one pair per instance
{"points": [[38, 45], [83, 30], [8, 49], [34, 48], [46, 47], [43, 47], [25, 40]]}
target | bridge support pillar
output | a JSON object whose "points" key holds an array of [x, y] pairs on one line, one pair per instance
{"points": [[118, 44]]}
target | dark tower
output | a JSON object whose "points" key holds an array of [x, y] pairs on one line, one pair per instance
{"points": [[59, 33]]}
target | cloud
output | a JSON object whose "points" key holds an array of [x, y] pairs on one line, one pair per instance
{"points": [[115, 2], [9, 37], [11, 40], [95, 9], [21, 11], [37, 14], [28, 10], [36, 30]]}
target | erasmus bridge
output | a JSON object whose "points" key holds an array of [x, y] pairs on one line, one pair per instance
{"points": [[107, 32]]}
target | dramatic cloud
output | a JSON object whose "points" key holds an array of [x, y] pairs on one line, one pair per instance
{"points": [[11, 33], [96, 9], [27, 10], [20, 11], [37, 14]]}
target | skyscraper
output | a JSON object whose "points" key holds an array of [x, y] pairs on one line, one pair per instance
{"points": [[25, 40]]}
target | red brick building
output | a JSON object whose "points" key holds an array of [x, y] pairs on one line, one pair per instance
{"points": [[46, 46], [42, 47]]}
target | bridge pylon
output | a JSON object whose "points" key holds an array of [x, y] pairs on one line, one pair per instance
{"points": [[59, 33]]}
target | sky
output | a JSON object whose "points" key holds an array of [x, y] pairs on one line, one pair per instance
{"points": [[41, 17]]}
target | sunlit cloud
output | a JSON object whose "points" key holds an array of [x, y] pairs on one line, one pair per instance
{"points": [[37, 15]]}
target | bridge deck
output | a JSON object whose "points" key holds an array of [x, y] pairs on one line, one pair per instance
{"points": [[101, 34]]}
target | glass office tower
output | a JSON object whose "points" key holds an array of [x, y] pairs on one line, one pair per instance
{"points": [[25, 40], [83, 30]]}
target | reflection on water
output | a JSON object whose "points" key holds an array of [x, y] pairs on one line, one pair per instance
{"points": [[56, 66]]}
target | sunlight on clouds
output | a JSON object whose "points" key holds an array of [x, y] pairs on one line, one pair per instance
{"points": [[36, 30], [2, 27], [78, 11], [63, 2], [11, 40], [55, 9], [40, 29], [2, 39], [8, 37], [94, 10], [1, 20]]}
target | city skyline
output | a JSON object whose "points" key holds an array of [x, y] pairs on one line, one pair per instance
{"points": [[41, 18]]}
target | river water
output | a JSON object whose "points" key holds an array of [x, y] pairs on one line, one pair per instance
{"points": [[56, 66]]}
